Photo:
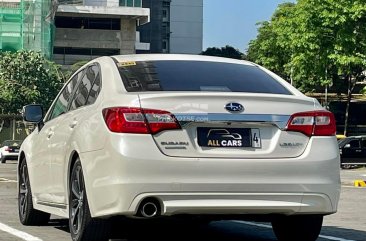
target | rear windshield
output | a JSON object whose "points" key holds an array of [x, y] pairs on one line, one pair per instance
{"points": [[12, 143], [197, 76]]}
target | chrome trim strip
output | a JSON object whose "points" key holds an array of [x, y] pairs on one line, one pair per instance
{"points": [[54, 205], [176, 148], [278, 120]]}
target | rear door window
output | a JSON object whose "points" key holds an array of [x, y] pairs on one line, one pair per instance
{"points": [[364, 143], [63, 99], [197, 76], [90, 84], [355, 144], [95, 90]]}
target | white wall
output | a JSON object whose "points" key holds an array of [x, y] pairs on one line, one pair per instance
{"points": [[186, 26]]}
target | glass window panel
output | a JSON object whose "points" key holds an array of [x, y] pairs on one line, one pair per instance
{"points": [[198, 76], [60, 106], [364, 144], [94, 92], [129, 3], [355, 144], [138, 3], [81, 94]]}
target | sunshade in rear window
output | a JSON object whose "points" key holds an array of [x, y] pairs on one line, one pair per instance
{"points": [[175, 75]]}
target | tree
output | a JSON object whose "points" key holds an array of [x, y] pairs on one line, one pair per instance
{"points": [[269, 49], [227, 52], [319, 42], [27, 77]]}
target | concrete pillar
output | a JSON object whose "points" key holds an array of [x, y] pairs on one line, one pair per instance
{"points": [[14, 123], [128, 36]]}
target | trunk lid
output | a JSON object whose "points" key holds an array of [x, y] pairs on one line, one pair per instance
{"points": [[210, 131]]}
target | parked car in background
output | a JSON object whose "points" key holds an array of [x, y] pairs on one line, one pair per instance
{"points": [[9, 150], [352, 151], [152, 136]]}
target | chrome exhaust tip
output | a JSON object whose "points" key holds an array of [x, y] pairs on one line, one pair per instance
{"points": [[149, 210]]}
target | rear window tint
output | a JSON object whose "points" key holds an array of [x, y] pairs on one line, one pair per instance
{"points": [[197, 76]]}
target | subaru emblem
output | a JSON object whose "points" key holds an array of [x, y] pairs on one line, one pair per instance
{"points": [[234, 107]]}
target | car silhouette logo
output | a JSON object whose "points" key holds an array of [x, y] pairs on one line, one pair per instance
{"points": [[224, 134], [234, 107]]}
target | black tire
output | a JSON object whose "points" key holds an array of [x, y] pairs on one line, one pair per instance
{"points": [[82, 226], [27, 214], [299, 228], [2, 159]]}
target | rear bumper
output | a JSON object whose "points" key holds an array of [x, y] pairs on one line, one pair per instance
{"points": [[238, 203], [10, 156], [120, 176]]}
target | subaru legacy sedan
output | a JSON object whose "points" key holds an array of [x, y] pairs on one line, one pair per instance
{"points": [[150, 136]]}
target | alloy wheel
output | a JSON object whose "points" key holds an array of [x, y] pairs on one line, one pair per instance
{"points": [[23, 190], [77, 200]]}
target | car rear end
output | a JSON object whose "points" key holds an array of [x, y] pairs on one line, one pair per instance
{"points": [[211, 136], [10, 150]]}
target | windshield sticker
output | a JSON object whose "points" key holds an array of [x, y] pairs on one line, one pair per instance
{"points": [[126, 64]]}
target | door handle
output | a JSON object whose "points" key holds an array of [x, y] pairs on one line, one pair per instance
{"points": [[73, 124]]}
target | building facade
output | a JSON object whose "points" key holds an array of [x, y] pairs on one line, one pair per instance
{"points": [[176, 26], [157, 31], [85, 29], [91, 28], [186, 26], [26, 24]]}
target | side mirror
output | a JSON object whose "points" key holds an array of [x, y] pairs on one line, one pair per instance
{"points": [[33, 113], [347, 146]]}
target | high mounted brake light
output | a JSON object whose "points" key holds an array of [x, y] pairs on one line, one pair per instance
{"points": [[313, 123], [138, 120]]}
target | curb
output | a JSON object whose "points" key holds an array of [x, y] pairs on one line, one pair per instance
{"points": [[359, 183]]}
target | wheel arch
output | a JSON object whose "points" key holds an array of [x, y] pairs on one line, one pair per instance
{"points": [[21, 159], [73, 157]]}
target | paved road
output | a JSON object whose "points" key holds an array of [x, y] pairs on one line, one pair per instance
{"points": [[349, 224]]}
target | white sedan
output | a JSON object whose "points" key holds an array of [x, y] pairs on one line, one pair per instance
{"points": [[9, 150], [136, 136]]}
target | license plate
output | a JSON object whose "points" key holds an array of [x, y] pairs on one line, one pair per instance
{"points": [[228, 137]]}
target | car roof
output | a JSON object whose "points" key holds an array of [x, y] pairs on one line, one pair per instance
{"points": [[178, 57]]}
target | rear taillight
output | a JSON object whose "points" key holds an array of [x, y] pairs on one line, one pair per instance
{"points": [[313, 123], [160, 120], [139, 121], [7, 148]]}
